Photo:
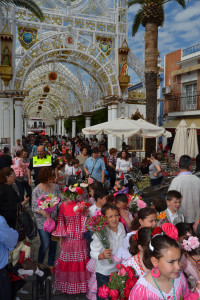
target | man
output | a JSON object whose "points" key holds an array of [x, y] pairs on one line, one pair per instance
{"points": [[189, 187], [17, 147], [39, 161], [5, 159], [94, 166]]}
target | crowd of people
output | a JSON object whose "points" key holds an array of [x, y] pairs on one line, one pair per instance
{"points": [[159, 241]]}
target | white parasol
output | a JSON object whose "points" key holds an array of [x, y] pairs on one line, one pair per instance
{"points": [[180, 145], [193, 149]]}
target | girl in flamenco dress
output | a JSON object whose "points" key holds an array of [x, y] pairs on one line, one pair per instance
{"points": [[71, 275]]}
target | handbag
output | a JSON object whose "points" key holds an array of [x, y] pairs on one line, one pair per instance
{"points": [[73, 179], [29, 225]]}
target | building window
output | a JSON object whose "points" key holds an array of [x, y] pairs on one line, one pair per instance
{"points": [[136, 143], [189, 98]]}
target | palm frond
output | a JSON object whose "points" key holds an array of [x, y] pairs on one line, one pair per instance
{"points": [[28, 4], [163, 21], [136, 22], [180, 2], [133, 2]]}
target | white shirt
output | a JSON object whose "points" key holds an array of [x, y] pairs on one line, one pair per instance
{"points": [[69, 170], [123, 164], [93, 209], [173, 216], [115, 239], [189, 187]]}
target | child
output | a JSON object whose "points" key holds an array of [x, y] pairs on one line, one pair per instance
{"points": [[190, 260], [126, 186], [93, 185], [184, 230], [138, 242], [165, 281], [71, 275], [121, 201], [146, 218], [107, 182], [72, 169], [116, 234], [61, 173], [17, 165], [159, 204], [100, 199], [173, 214]]}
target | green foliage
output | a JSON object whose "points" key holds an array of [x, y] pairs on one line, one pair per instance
{"points": [[99, 116], [80, 123], [28, 4], [68, 125]]}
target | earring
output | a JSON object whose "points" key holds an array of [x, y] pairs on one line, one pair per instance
{"points": [[155, 272]]}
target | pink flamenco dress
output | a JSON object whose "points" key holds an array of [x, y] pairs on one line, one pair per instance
{"points": [[71, 275]]}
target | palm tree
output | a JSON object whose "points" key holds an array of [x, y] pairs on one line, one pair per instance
{"points": [[151, 16], [28, 4]]}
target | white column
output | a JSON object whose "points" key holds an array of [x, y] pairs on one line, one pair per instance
{"points": [[87, 124], [18, 118], [63, 127], [109, 119], [25, 127], [59, 126], [6, 122], [56, 127], [73, 127]]}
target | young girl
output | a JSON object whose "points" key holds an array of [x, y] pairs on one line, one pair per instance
{"points": [[146, 218], [93, 185], [71, 275], [138, 242], [121, 201], [125, 186], [61, 173], [190, 260], [165, 281], [18, 166], [184, 230]]}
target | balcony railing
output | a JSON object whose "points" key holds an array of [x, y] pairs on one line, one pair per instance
{"points": [[184, 102], [191, 50]]}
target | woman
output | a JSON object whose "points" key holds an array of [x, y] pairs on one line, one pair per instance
{"points": [[46, 186], [112, 160], [95, 166], [22, 182], [155, 171], [82, 157], [9, 199], [123, 162]]}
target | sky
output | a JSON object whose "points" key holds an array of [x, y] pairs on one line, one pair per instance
{"points": [[181, 30]]}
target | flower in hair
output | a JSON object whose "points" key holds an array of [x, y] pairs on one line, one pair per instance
{"points": [[91, 180], [191, 243], [136, 236], [162, 215], [170, 230], [156, 231]]}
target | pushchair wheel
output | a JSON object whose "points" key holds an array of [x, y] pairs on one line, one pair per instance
{"points": [[48, 289], [35, 290]]}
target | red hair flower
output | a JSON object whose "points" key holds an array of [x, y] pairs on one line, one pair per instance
{"points": [[79, 190], [121, 176], [170, 230], [136, 236], [156, 230]]}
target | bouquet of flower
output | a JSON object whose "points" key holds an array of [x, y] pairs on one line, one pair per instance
{"points": [[162, 218], [73, 192], [78, 172], [48, 204], [82, 208], [120, 284], [136, 204], [98, 225]]}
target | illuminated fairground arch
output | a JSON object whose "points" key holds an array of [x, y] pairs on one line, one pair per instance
{"points": [[83, 52]]}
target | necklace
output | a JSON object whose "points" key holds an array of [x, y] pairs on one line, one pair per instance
{"points": [[139, 263], [162, 292]]}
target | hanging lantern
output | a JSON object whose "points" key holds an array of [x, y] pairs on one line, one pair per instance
{"points": [[39, 107], [46, 89], [124, 79], [44, 95], [52, 76], [40, 102]]}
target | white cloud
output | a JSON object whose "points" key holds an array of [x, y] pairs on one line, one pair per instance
{"points": [[188, 13]]}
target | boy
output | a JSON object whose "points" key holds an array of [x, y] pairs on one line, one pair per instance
{"points": [[121, 201], [73, 172], [100, 197], [115, 234], [174, 216]]}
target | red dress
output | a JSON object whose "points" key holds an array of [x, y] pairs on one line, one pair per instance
{"points": [[71, 275]]}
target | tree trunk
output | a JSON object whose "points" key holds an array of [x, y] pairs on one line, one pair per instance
{"points": [[151, 54]]}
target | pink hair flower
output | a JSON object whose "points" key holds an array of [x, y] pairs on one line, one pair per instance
{"points": [[141, 204], [191, 243], [91, 180]]}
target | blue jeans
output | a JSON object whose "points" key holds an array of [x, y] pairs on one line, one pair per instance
{"points": [[46, 243], [101, 280]]}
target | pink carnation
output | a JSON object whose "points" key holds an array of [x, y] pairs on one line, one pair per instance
{"points": [[103, 291], [114, 294], [91, 180], [191, 243], [170, 230], [141, 204], [122, 272]]}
